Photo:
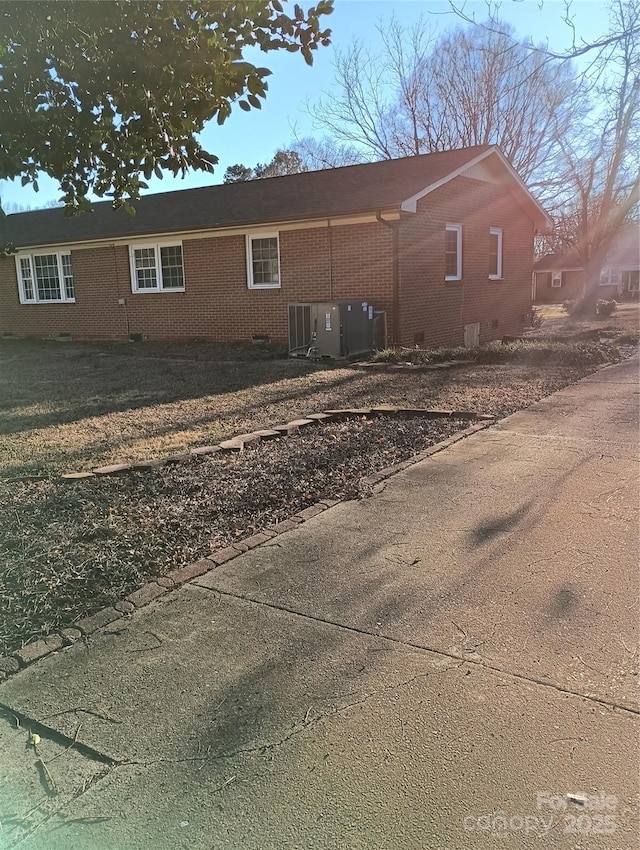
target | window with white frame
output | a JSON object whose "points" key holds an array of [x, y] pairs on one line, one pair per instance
{"points": [[156, 268], [453, 252], [263, 261], [45, 278], [556, 279], [604, 276], [495, 253]]}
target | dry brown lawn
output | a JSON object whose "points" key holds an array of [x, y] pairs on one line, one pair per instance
{"points": [[72, 406], [68, 549]]}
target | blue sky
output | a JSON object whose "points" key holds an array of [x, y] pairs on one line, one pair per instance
{"points": [[251, 137]]}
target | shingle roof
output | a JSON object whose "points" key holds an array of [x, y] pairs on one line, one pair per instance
{"points": [[625, 251], [310, 195], [553, 262]]}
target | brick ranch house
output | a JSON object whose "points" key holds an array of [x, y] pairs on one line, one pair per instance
{"points": [[442, 242], [561, 277]]}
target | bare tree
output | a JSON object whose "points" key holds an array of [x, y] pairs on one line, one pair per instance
{"points": [[466, 88], [366, 110], [318, 154], [576, 45], [602, 160], [13, 207], [482, 87]]}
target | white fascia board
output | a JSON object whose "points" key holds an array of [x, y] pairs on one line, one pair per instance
{"points": [[560, 269], [411, 204], [207, 233]]}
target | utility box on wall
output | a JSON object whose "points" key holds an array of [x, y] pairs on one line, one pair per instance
{"points": [[335, 329]]}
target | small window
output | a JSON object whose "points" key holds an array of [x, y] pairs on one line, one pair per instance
{"points": [[67, 276], [45, 278], [556, 279], [604, 277], [156, 268], [26, 279], [495, 253], [263, 261], [453, 252]]}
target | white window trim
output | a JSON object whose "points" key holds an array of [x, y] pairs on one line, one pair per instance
{"points": [[556, 276], [250, 282], [155, 246], [35, 300], [497, 231], [457, 228]]}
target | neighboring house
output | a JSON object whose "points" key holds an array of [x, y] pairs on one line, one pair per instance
{"points": [[442, 242], [558, 278], [620, 278], [561, 277]]}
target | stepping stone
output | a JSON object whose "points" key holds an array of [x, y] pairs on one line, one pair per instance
{"points": [[292, 426], [152, 463], [112, 469], [267, 434], [238, 443]]}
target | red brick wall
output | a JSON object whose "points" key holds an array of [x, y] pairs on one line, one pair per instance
{"points": [[439, 309], [216, 303], [101, 275], [317, 264]]}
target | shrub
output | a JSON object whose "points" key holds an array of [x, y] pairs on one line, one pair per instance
{"points": [[605, 308], [570, 307], [385, 355], [531, 352], [536, 319], [418, 356]]}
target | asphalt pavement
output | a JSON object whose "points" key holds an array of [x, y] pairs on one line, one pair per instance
{"points": [[450, 663]]}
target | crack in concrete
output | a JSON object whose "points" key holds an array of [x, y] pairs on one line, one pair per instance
{"points": [[434, 650], [298, 728], [110, 764]]}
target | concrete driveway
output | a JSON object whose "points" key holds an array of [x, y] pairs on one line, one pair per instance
{"points": [[450, 663]]}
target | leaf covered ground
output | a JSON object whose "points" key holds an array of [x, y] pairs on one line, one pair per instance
{"points": [[67, 550]]}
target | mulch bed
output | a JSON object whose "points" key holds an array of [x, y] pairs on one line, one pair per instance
{"points": [[72, 549]]}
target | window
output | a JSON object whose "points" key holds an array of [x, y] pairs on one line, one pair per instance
{"points": [[45, 277], [453, 252], [556, 280], [263, 261], [495, 253], [604, 276], [157, 268]]}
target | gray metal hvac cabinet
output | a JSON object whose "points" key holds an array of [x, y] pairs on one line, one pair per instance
{"points": [[331, 329]]}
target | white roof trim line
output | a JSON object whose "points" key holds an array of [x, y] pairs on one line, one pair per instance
{"points": [[210, 232], [558, 269], [411, 204]]}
